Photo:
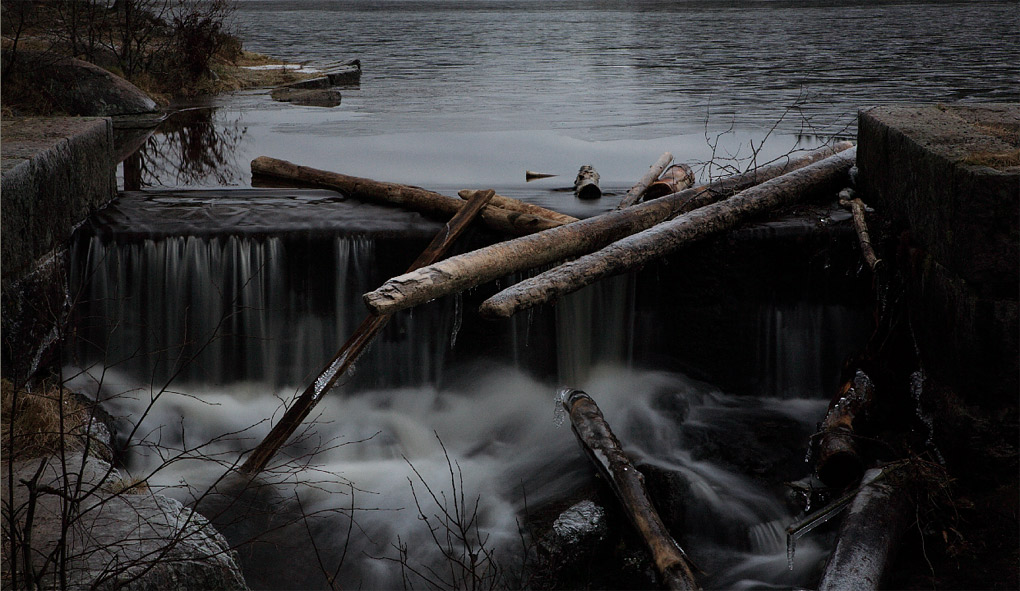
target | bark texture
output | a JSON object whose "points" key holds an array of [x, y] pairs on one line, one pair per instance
{"points": [[667, 237], [605, 452], [549, 246], [511, 204], [416, 198], [638, 190]]}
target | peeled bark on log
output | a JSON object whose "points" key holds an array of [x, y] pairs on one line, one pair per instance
{"points": [[586, 185], [667, 237], [605, 452], [868, 537], [639, 189], [356, 344], [511, 204], [676, 178], [416, 198], [474, 268]]}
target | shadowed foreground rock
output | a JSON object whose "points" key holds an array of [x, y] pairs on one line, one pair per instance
{"points": [[121, 541]]}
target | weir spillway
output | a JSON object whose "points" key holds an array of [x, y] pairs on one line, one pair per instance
{"points": [[714, 364]]}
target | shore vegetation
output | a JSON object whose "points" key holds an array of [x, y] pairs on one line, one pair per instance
{"points": [[168, 48]]}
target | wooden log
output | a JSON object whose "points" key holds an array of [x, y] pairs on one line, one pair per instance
{"points": [[857, 207], [667, 237], [837, 459], [676, 178], [870, 533], [416, 198], [586, 185], [549, 246], [605, 452], [530, 175], [511, 204], [638, 190], [356, 344]]}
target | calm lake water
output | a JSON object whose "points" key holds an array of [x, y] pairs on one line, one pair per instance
{"points": [[471, 93]]}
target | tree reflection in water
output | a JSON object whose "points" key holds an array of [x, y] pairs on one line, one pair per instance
{"points": [[189, 148]]}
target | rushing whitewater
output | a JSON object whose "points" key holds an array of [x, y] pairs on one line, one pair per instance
{"points": [[196, 344]]}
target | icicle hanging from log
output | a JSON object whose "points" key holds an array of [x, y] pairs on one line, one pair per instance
{"points": [[667, 237], [498, 260], [605, 452]]}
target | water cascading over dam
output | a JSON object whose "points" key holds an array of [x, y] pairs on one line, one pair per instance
{"points": [[199, 314]]}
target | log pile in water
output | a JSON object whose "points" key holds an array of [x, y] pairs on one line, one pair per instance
{"points": [[641, 187], [550, 246], [665, 238]]}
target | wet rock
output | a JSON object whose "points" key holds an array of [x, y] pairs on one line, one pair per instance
{"points": [[764, 444], [77, 87], [577, 531], [138, 540], [326, 97], [670, 493]]}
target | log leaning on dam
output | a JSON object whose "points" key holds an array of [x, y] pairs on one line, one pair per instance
{"points": [[486, 264], [665, 238]]}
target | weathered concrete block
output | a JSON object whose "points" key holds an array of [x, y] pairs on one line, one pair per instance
{"points": [[950, 175], [55, 172], [925, 166]]}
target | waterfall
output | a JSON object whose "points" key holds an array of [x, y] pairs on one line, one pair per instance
{"points": [[237, 322]]}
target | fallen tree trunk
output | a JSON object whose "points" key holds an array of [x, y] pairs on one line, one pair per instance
{"points": [[604, 450], [511, 204], [586, 185], [549, 246], [837, 459], [635, 193], [416, 198], [356, 344], [879, 515], [664, 238]]}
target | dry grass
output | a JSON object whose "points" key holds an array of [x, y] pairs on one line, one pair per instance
{"points": [[33, 419], [997, 160]]}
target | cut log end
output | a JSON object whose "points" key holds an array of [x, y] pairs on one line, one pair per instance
{"points": [[586, 185]]}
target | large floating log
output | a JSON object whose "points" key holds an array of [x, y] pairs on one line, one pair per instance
{"points": [[549, 246], [605, 452], [638, 190], [416, 198], [511, 204], [356, 344], [667, 237]]}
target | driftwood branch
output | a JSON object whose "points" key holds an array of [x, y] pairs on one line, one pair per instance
{"points": [[549, 246], [356, 344], [605, 452], [416, 198], [667, 237], [638, 190], [863, 236]]}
